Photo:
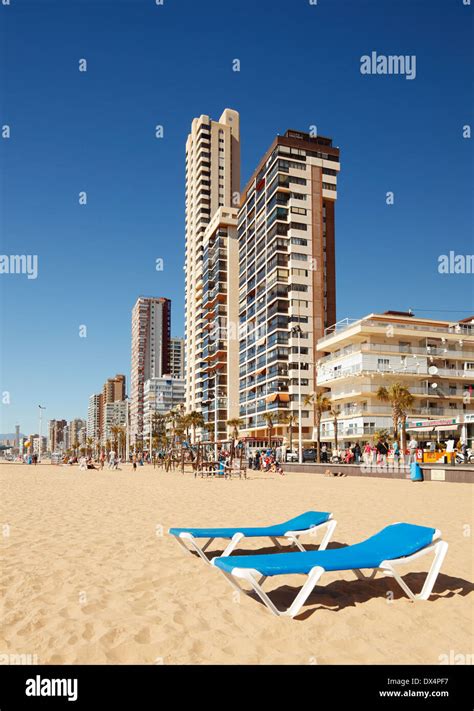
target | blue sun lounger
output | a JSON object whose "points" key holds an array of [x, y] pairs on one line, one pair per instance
{"points": [[309, 522], [395, 545]]}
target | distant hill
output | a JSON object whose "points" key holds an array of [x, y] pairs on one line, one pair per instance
{"points": [[10, 435]]}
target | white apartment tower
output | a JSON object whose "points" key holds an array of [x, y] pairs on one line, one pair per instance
{"points": [[151, 329], [212, 182]]}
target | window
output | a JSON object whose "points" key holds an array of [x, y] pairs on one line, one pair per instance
{"points": [[298, 226], [299, 241], [298, 210], [383, 363]]}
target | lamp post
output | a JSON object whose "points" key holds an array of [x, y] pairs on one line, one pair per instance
{"points": [[41, 408], [296, 331]]}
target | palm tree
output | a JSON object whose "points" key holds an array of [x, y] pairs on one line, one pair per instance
{"points": [[335, 412], [235, 423], [89, 442], [269, 418], [186, 422], [122, 441], [115, 430], [381, 433], [289, 419], [75, 446], [195, 419], [171, 417], [321, 403], [401, 400], [209, 427]]}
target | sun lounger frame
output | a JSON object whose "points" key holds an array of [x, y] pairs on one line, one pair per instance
{"points": [[388, 567], [190, 543]]}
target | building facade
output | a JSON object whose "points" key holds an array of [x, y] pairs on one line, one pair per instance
{"points": [[217, 377], [151, 333], [114, 389], [287, 297], [433, 359], [75, 427], [115, 415], [177, 358], [160, 396], [212, 182], [95, 416], [56, 435]]}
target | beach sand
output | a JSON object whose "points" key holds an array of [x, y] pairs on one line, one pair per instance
{"points": [[90, 574]]}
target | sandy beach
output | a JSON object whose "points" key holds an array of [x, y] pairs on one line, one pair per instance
{"points": [[90, 574]]}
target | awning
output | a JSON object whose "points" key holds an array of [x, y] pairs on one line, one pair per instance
{"points": [[439, 428], [283, 397]]}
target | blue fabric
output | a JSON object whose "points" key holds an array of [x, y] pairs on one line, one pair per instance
{"points": [[300, 523], [395, 541]]}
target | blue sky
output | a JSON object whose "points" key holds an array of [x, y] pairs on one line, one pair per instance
{"points": [[149, 65]]}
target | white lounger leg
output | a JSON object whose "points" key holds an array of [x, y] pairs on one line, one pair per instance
{"points": [[439, 549], [330, 525], [192, 542], [236, 538], [251, 576]]}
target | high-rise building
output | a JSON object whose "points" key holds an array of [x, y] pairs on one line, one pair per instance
{"points": [[212, 181], [95, 416], [160, 396], [75, 427], [217, 377], [177, 357], [56, 435], [17, 436], [286, 278], [115, 415], [114, 389], [151, 333], [433, 359]]}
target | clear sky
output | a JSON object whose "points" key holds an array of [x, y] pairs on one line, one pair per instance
{"points": [[151, 65]]}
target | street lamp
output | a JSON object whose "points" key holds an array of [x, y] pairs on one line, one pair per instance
{"points": [[41, 408], [296, 331]]}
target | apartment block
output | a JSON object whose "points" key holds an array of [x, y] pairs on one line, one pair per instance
{"points": [[151, 333], [212, 182], [56, 435], [115, 415], [434, 359], [160, 396], [114, 389], [287, 296], [75, 427], [95, 416], [177, 358]]}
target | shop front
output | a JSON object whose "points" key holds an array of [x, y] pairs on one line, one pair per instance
{"points": [[431, 436]]}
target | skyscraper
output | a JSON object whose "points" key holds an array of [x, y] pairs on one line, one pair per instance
{"points": [[177, 357], [212, 182], [151, 329], [286, 277], [95, 416], [114, 389], [56, 435]]}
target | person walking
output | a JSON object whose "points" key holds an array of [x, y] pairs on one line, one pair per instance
{"points": [[412, 447], [134, 462], [382, 451], [356, 451], [396, 452]]}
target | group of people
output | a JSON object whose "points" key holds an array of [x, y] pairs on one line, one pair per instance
{"points": [[265, 461], [370, 453]]}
